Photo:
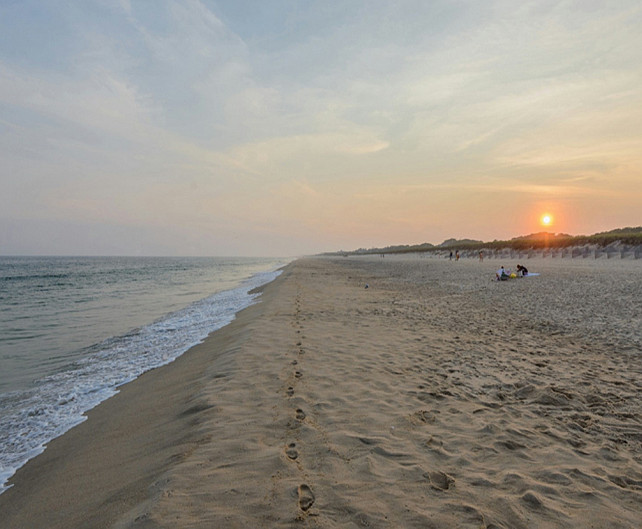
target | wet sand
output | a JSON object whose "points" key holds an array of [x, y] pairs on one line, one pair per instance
{"points": [[435, 397]]}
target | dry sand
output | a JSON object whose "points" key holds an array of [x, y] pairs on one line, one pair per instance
{"points": [[435, 398]]}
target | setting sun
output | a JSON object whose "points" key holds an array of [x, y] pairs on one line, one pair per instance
{"points": [[546, 220]]}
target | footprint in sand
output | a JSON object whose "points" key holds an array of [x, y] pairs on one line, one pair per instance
{"points": [[298, 374], [291, 451], [532, 501], [306, 498], [300, 414], [439, 480], [290, 391]]}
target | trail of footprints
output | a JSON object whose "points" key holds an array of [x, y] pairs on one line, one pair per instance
{"points": [[305, 495]]}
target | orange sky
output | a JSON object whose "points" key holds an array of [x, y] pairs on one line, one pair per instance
{"points": [[227, 128]]}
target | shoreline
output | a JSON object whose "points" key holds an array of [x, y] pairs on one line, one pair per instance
{"points": [[435, 397], [74, 379], [100, 468]]}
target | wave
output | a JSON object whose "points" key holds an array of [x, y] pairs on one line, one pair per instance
{"points": [[31, 418]]}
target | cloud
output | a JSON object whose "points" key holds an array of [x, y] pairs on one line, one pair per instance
{"points": [[322, 116], [96, 104]]}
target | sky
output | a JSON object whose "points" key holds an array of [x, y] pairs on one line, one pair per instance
{"points": [[291, 127]]}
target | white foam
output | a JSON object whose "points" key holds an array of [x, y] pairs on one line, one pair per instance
{"points": [[58, 402]]}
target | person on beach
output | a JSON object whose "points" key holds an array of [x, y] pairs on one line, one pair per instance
{"points": [[457, 255], [481, 256], [501, 274], [450, 257], [521, 271]]}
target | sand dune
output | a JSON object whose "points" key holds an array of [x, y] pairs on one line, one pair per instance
{"points": [[436, 397]]}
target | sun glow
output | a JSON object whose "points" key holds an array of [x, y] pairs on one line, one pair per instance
{"points": [[546, 220]]}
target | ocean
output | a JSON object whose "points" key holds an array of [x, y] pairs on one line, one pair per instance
{"points": [[73, 329]]}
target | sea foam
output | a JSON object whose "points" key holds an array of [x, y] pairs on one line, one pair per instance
{"points": [[31, 418]]}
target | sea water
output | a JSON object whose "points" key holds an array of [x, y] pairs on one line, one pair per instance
{"points": [[73, 329]]}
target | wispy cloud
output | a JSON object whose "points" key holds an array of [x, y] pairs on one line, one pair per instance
{"points": [[325, 115]]}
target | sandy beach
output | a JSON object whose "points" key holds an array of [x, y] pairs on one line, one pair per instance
{"points": [[434, 398]]}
